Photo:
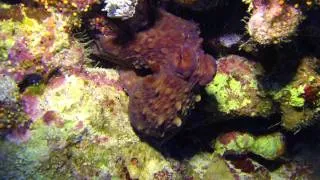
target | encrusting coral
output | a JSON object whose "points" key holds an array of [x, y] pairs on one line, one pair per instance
{"points": [[299, 99], [13, 120], [8, 89], [68, 6], [236, 89], [212, 166], [270, 146], [35, 46], [30, 41], [123, 9], [272, 21], [81, 127], [171, 50]]}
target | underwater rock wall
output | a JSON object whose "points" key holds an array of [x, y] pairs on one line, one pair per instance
{"points": [[125, 89]]}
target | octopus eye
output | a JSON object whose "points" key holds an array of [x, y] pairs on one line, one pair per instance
{"points": [[186, 62]]}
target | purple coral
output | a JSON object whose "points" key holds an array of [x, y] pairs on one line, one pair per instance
{"points": [[20, 134], [20, 52]]}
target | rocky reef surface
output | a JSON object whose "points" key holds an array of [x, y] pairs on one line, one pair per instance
{"points": [[159, 90]]}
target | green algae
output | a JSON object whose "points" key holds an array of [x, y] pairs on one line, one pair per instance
{"points": [[91, 137], [294, 95], [6, 37], [269, 146], [228, 92], [234, 97], [236, 89], [299, 99], [34, 34]]}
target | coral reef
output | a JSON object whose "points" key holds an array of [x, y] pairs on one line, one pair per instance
{"points": [[123, 9], [272, 21], [73, 9], [292, 171], [269, 146], [34, 49], [8, 90], [82, 129], [68, 6], [212, 166], [129, 89], [236, 89], [13, 120], [177, 63], [30, 41], [299, 98]]}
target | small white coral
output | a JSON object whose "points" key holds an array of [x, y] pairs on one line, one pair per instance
{"points": [[8, 89], [123, 9]]}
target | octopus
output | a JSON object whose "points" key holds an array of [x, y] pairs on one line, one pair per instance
{"points": [[170, 50]]}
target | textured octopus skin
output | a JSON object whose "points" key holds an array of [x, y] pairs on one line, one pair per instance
{"points": [[171, 50]]}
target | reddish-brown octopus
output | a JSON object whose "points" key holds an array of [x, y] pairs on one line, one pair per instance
{"points": [[171, 50]]}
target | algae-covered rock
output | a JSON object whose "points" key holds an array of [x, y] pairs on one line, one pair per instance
{"points": [[123, 9], [291, 171], [29, 38], [299, 98], [9, 91], [213, 167], [44, 34], [236, 89], [64, 110], [13, 119], [207, 166], [81, 130], [268, 146], [272, 21], [69, 7]]}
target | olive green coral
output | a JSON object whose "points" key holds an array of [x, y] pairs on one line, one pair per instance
{"points": [[236, 90], [269, 146], [47, 36], [299, 99], [212, 166], [208, 166]]}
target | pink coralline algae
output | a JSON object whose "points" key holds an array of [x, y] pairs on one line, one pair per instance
{"points": [[171, 50], [29, 106], [273, 21]]}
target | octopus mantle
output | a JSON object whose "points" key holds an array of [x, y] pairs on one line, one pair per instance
{"points": [[171, 51]]}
